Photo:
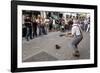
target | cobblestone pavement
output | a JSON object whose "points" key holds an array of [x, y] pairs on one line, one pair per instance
{"points": [[43, 48]]}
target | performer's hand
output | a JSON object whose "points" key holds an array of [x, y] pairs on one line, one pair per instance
{"points": [[69, 33]]}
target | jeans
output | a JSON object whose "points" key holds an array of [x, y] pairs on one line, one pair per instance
{"points": [[29, 33], [76, 41], [44, 30], [40, 30]]}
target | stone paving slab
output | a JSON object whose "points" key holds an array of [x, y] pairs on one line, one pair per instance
{"points": [[42, 56], [46, 43]]}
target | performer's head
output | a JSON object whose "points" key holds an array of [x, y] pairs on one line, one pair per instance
{"points": [[75, 21]]}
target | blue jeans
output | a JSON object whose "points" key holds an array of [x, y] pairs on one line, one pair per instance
{"points": [[76, 41], [29, 33], [40, 30]]}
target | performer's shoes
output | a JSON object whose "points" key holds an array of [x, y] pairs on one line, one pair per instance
{"points": [[76, 54]]}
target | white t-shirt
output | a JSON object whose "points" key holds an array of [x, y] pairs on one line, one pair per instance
{"points": [[76, 30], [85, 22], [53, 22]]}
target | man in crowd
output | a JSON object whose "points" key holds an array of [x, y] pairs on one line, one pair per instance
{"points": [[34, 25], [50, 24], [28, 25]]}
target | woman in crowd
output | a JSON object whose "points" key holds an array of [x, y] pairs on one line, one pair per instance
{"points": [[43, 26]]}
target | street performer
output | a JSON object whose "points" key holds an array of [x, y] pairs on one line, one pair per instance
{"points": [[77, 35]]}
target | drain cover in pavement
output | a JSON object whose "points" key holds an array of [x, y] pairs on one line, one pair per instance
{"points": [[42, 56]]}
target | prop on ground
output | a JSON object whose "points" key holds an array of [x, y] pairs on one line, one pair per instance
{"points": [[57, 46]]}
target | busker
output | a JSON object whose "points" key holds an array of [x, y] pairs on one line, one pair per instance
{"points": [[77, 35]]}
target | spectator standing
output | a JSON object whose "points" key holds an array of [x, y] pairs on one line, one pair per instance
{"points": [[28, 25], [34, 25]]}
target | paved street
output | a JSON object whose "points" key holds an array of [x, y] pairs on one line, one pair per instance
{"points": [[43, 48]]}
